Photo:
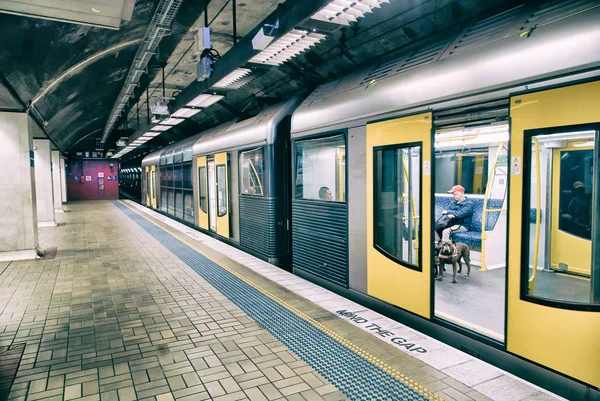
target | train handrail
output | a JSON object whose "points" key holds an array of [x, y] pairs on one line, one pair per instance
{"points": [[538, 191], [485, 210], [414, 210], [257, 177]]}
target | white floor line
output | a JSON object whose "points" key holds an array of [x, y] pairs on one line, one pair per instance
{"points": [[429, 350]]}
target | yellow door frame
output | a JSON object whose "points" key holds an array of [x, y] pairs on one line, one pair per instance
{"points": [[535, 331], [202, 214], [386, 279]]}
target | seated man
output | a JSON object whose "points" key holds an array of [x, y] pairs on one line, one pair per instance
{"points": [[325, 194], [460, 213]]}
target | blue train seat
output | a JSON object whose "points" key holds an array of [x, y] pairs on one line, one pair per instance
{"points": [[472, 237]]}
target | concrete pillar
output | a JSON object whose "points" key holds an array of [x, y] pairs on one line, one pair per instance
{"points": [[63, 180], [56, 181], [43, 183], [18, 214]]}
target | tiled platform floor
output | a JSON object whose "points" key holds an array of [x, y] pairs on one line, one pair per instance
{"points": [[116, 316]]}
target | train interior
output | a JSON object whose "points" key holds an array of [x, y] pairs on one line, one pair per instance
{"points": [[476, 159]]}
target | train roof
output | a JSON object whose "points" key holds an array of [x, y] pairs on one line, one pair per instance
{"points": [[496, 54], [255, 131]]}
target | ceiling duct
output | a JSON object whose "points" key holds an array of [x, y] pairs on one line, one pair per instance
{"points": [[158, 27]]}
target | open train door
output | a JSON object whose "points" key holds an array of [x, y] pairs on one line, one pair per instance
{"points": [[147, 187], [554, 256], [202, 193], [399, 212]]}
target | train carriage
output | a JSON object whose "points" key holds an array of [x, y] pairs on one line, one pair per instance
{"points": [[510, 110]]}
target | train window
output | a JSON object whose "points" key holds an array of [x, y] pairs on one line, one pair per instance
{"points": [[178, 156], [398, 202], [187, 154], [170, 158], [467, 167], [558, 215], [154, 184], [163, 200], [187, 176], [171, 202], [188, 206], [179, 204], [321, 169], [178, 176], [203, 188], [251, 171], [163, 177], [221, 191]]}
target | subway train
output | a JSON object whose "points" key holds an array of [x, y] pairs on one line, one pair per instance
{"points": [[344, 186], [130, 182]]}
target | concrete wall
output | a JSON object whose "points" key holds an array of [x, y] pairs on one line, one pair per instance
{"points": [[18, 215], [56, 181], [43, 182]]}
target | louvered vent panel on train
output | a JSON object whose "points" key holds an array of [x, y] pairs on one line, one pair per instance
{"points": [[320, 240], [422, 57], [258, 228], [556, 10], [492, 112], [381, 71], [321, 92], [486, 31]]}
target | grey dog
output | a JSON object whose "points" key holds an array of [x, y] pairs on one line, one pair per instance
{"points": [[451, 252]]}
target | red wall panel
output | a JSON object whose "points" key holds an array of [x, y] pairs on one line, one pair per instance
{"points": [[99, 171]]}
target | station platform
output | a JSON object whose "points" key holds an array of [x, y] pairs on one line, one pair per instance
{"points": [[128, 304]]}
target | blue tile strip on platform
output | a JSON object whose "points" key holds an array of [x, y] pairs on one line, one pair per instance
{"points": [[353, 375]]}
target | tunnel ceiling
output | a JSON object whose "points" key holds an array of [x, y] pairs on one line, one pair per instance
{"points": [[74, 73]]}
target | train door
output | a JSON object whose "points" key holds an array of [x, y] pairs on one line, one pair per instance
{"points": [[399, 212], [222, 191], [153, 186], [555, 182], [212, 196], [202, 193], [148, 202]]}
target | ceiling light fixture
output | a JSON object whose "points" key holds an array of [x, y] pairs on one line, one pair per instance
{"points": [[172, 121], [205, 100], [160, 127], [288, 46], [186, 113], [343, 12], [151, 134], [232, 77]]}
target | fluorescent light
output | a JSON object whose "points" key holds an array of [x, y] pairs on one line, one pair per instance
{"points": [[343, 12], [288, 46], [232, 77], [172, 121], [151, 134], [186, 113], [160, 127], [584, 144], [205, 100]]}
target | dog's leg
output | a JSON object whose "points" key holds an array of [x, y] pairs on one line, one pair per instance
{"points": [[459, 265], [467, 258], [453, 271], [441, 269]]}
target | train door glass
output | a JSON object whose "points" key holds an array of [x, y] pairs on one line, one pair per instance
{"points": [[562, 173], [212, 196], [477, 160], [397, 202]]}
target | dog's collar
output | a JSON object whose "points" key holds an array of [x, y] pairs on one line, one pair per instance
{"points": [[448, 256]]}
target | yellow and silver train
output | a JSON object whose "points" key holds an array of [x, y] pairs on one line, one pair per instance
{"points": [[344, 188]]}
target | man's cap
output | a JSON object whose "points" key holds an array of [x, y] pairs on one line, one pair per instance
{"points": [[578, 184], [457, 188]]}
